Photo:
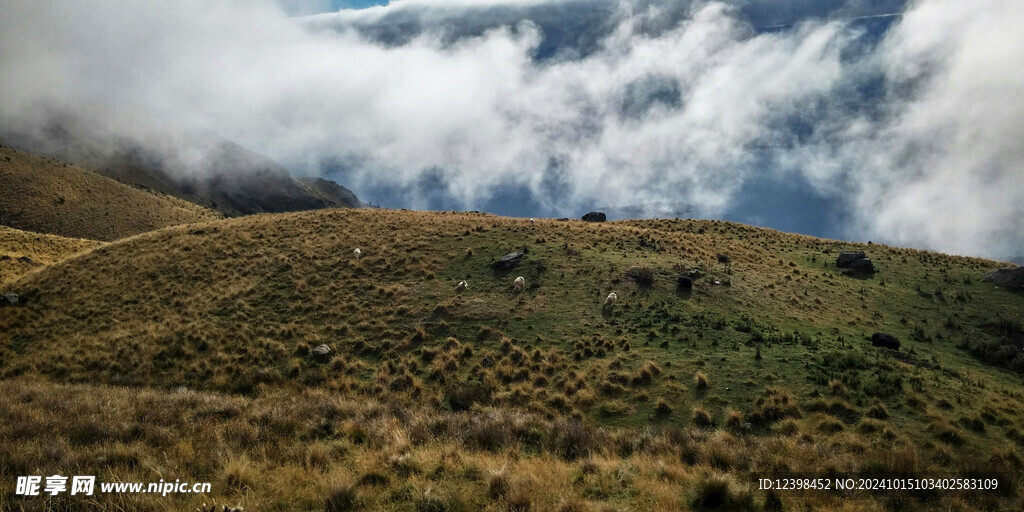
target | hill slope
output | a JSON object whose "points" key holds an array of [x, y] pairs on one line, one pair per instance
{"points": [[765, 363], [48, 196], [201, 168], [22, 252]]}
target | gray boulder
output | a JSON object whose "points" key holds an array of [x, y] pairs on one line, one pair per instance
{"points": [[846, 258], [508, 261], [1012, 277], [595, 217]]}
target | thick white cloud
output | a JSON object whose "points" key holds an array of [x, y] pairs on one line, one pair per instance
{"points": [[650, 117]]}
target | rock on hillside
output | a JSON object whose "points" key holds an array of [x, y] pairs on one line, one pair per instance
{"points": [[1006, 277], [856, 262]]}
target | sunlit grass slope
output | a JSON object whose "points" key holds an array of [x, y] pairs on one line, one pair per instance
{"points": [[22, 252], [642, 406], [48, 196]]}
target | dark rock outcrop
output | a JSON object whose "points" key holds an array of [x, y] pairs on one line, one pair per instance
{"points": [[1012, 277], [881, 339], [508, 261], [595, 217], [856, 262], [862, 266], [846, 258]]}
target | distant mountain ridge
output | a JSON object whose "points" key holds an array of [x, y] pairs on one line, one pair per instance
{"points": [[204, 169]]}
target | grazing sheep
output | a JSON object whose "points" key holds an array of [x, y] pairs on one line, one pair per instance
{"points": [[519, 283], [462, 286], [357, 253], [610, 301]]}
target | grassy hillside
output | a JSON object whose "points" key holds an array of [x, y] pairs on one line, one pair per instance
{"points": [[22, 252], [494, 399], [48, 196]]}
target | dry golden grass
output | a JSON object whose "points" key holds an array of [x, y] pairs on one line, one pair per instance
{"points": [[429, 392], [316, 450], [48, 196], [23, 252]]}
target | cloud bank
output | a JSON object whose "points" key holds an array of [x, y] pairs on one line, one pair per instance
{"points": [[906, 129]]}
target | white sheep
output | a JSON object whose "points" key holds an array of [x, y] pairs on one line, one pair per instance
{"points": [[357, 253], [519, 283], [610, 300], [462, 286], [531, 220]]}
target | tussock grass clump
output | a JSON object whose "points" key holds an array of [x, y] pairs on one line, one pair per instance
{"points": [[877, 411], [830, 425], [318, 456], [702, 418], [733, 420], [498, 485], [870, 426], [947, 433], [787, 427], [520, 499], [342, 498], [646, 374], [700, 380], [774, 405], [614, 409], [662, 408], [716, 492], [238, 474]]}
